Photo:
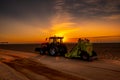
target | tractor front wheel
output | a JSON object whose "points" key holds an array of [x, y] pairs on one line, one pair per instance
{"points": [[42, 51]]}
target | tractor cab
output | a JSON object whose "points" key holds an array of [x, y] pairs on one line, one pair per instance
{"points": [[54, 46], [56, 39]]}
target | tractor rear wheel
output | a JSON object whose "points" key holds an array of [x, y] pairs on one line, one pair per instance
{"points": [[52, 51]]}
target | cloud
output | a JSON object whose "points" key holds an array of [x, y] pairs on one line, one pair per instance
{"points": [[71, 18], [62, 19], [92, 8], [113, 17]]}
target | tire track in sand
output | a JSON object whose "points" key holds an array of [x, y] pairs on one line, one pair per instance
{"points": [[31, 68]]}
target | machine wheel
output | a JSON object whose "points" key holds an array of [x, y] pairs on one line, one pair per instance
{"points": [[94, 53], [41, 51], [85, 56], [52, 51]]}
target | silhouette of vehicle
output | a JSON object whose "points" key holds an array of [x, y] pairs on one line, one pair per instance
{"points": [[53, 47]]}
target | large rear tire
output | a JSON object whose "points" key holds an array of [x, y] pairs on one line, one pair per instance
{"points": [[52, 51]]}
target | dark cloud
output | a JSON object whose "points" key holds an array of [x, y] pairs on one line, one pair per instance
{"points": [[45, 13], [49, 16], [36, 13], [46, 8], [92, 8], [23, 9]]}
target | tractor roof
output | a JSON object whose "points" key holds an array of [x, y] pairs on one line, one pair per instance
{"points": [[56, 37]]}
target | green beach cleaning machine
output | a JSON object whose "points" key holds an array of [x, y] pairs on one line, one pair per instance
{"points": [[83, 50]]}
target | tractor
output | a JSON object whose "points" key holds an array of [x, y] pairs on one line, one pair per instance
{"points": [[82, 50], [53, 47]]}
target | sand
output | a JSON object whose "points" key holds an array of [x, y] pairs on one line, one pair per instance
{"points": [[21, 62], [22, 66], [33, 66], [104, 50]]}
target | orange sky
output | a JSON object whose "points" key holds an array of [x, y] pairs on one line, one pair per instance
{"points": [[21, 22], [69, 30]]}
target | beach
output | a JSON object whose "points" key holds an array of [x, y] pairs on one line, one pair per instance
{"points": [[103, 50], [21, 62]]}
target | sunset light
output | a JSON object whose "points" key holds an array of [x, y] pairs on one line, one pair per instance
{"points": [[59, 39], [21, 23]]}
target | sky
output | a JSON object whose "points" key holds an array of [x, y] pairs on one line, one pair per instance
{"points": [[32, 21]]}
